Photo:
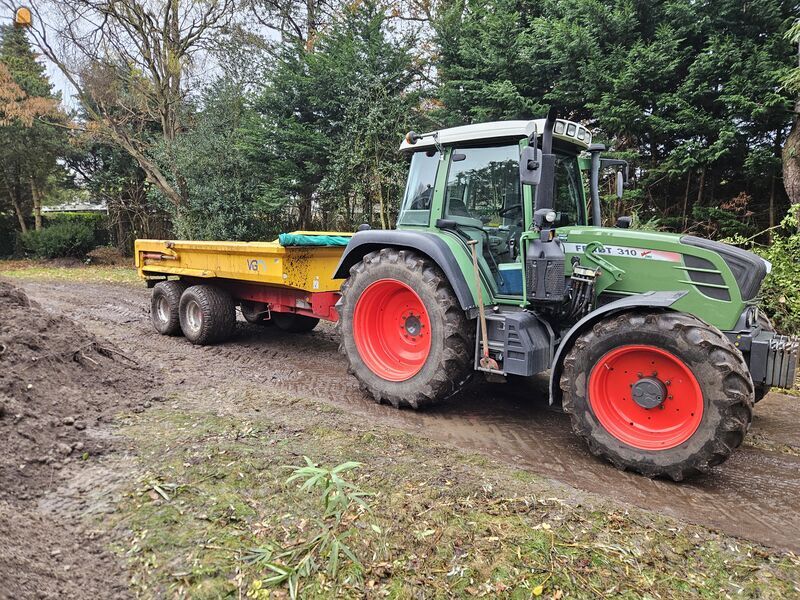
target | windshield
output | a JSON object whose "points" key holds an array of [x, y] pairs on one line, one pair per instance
{"points": [[416, 207]]}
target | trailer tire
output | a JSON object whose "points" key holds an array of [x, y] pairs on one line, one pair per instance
{"points": [[701, 373], [164, 306], [207, 314], [394, 287], [294, 323]]}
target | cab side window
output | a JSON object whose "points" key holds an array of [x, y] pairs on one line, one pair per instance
{"points": [[567, 197]]}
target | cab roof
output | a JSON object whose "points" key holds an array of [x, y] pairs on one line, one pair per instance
{"points": [[569, 131]]}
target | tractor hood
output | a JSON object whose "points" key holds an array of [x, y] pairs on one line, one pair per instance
{"points": [[721, 280], [749, 269]]}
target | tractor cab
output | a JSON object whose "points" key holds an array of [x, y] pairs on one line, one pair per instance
{"points": [[467, 180]]}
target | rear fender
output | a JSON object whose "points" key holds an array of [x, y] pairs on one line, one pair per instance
{"points": [[431, 245], [646, 300]]}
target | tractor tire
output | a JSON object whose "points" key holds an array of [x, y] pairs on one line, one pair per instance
{"points": [[694, 394], [403, 332], [761, 389], [255, 313], [207, 314], [294, 323], [164, 306]]}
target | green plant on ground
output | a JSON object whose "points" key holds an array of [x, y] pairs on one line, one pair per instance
{"points": [[67, 239], [342, 503]]}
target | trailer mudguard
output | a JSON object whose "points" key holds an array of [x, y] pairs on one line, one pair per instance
{"points": [[431, 245], [646, 300]]}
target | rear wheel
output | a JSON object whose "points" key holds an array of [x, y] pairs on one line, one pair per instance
{"points": [[207, 314], [404, 334], [164, 305], [293, 323], [659, 393]]}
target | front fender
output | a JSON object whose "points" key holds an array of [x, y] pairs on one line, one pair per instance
{"points": [[646, 300], [429, 244]]}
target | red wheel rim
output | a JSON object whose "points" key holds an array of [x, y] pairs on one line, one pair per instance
{"points": [[392, 330], [630, 370]]}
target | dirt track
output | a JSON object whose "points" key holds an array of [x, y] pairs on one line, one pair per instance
{"points": [[755, 495]]}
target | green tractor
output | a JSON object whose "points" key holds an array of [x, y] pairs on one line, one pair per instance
{"points": [[654, 341]]}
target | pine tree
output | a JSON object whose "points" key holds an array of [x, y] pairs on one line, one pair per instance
{"points": [[32, 134]]}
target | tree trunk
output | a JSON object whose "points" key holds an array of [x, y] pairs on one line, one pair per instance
{"points": [[686, 198], [37, 206], [13, 188], [771, 206], [304, 210], [18, 210], [700, 187], [379, 189], [791, 159]]}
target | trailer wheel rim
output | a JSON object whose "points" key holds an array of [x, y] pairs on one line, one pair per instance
{"points": [[392, 330], [163, 309], [194, 315], [646, 397]]}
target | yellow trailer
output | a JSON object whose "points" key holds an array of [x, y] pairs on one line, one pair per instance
{"points": [[197, 285]]}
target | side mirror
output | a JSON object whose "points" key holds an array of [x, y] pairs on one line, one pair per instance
{"points": [[445, 224], [620, 183], [624, 222], [530, 166], [458, 157]]}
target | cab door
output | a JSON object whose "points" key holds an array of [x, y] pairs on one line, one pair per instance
{"points": [[483, 195]]}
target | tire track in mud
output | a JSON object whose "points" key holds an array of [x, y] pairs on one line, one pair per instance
{"points": [[755, 494]]}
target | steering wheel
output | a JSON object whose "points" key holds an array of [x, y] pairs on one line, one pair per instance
{"points": [[504, 212]]}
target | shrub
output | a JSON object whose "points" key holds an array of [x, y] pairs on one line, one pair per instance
{"points": [[97, 222], [107, 255], [780, 292], [58, 241]]}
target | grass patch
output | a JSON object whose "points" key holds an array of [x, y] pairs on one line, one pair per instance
{"points": [[441, 523], [30, 269]]}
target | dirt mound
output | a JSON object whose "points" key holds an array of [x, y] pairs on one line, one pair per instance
{"points": [[56, 381]]}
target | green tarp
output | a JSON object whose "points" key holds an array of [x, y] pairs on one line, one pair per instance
{"points": [[298, 239]]}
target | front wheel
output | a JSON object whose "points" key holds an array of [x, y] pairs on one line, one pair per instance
{"points": [[402, 330], [661, 393]]}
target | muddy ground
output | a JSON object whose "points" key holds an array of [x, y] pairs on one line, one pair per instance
{"points": [[755, 495]]}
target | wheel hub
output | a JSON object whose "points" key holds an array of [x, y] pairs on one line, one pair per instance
{"points": [[649, 392], [412, 325], [162, 309]]}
